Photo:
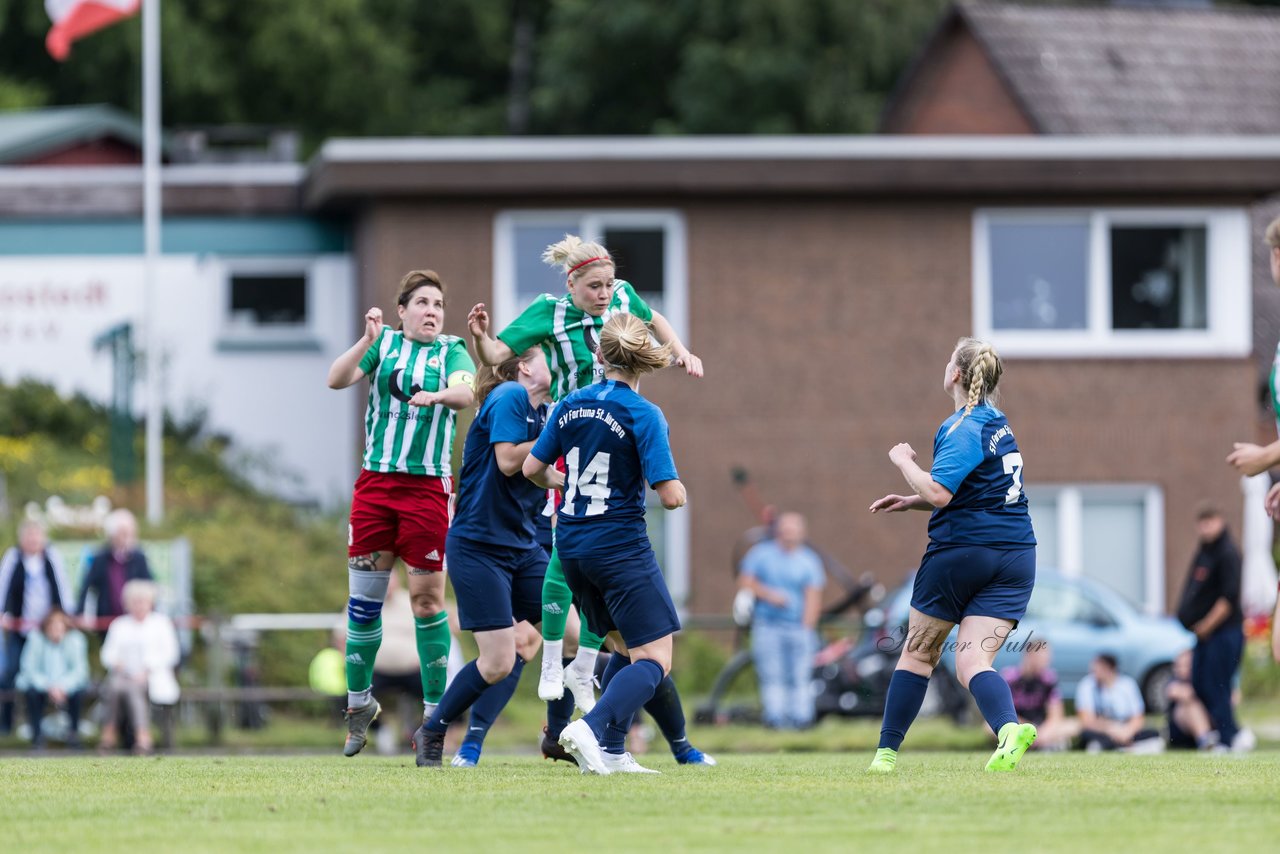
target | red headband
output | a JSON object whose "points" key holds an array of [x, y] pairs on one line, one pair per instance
{"points": [[589, 261]]}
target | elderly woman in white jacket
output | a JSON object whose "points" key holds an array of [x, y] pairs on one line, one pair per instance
{"points": [[140, 652]]}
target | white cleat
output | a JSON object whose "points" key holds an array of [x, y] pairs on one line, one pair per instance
{"points": [[580, 741], [625, 764], [582, 685], [551, 680]]}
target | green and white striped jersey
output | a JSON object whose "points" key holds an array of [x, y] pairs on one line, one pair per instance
{"points": [[403, 438], [568, 335]]}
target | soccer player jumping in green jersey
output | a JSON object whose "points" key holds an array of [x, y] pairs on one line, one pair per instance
{"points": [[567, 329], [419, 378]]}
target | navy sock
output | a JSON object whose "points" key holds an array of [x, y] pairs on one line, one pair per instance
{"points": [[615, 663], [486, 709], [464, 690], [559, 711], [995, 700], [668, 714], [628, 690], [615, 734], [906, 694]]}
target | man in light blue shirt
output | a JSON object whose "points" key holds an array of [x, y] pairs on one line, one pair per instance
{"points": [[786, 578], [1111, 711]]}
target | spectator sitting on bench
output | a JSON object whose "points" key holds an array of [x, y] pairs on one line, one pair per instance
{"points": [[140, 653], [54, 669]]}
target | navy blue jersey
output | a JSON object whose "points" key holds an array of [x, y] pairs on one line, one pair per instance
{"points": [[977, 459], [492, 507], [612, 441], [544, 532]]}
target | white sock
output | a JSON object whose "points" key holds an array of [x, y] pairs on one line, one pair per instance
{"points": [[585, 660], [552, 651], [356, 699], [428, 709]]}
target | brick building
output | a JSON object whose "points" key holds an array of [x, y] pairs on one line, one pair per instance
{"points": [[824, 281]]}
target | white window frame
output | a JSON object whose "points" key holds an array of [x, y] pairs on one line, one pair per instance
{"points": [[594, 222], [1228, 265], [238, 336], [675, 307], [1070, 500]]}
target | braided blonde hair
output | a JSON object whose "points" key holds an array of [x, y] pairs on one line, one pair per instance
{"points": [[980, 370], [575, 257], [625, 345]]}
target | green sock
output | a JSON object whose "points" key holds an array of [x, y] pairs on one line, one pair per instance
{"points": [[433, 638], [587, 638], [363, 640], [556, 599]]}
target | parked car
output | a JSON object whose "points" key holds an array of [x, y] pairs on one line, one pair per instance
{"points": [[1079, 617]]}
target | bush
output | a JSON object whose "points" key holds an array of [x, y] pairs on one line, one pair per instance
{"points": [[251, 552]]}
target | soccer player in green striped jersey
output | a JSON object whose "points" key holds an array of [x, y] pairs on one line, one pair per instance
{"points": [[567, 329], [418, 380]]}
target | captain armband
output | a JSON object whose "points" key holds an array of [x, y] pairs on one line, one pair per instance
{"points": [[461, 378]]}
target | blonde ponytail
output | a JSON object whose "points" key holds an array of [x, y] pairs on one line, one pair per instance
{"points": [[625, 345]]}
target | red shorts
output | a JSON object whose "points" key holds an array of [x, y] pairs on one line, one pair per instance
{"points": [[406, 514]]}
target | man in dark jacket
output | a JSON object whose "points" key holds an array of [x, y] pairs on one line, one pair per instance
{"points": [[1211, 609], [119, 561], [32, 583]]}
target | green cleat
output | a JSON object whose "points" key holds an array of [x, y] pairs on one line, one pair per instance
{"points": [[1014, 741], [884, 763]]}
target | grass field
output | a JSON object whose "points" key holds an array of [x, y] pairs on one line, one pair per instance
{"points": [[752, 802]]}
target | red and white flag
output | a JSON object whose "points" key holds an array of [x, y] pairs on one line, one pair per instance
{"points": [[75, 19]]}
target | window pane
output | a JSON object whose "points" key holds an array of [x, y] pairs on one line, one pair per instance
{"points": [[639, 254], [1114, 547], [1039, 275], [655, 520], [1044, 519], [272, 300], [1158, 278], [532, 276]]}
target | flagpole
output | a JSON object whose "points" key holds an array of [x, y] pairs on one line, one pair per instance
{"points": [[151, 256]]}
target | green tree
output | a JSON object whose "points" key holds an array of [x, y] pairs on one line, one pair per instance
{"points": [[458, 67]]}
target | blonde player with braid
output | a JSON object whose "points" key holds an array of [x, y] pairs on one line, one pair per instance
{"points": [[980, 565]]}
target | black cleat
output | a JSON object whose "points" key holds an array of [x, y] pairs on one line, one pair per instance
{"points": [[552, 750], [428, 747]]}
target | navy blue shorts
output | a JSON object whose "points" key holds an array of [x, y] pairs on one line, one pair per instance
{"points": [[496, 586], [955, 582], [625, 594]]}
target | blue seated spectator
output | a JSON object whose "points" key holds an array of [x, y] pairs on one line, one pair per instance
{"points": [[54, 670]]}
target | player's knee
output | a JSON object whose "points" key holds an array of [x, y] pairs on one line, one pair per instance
{"points": [[426, 603], [368, 590], [661, 659], [496, 665]]}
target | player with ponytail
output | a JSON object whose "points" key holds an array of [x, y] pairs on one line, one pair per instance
{"points": [[568, 329], [980, 565]]}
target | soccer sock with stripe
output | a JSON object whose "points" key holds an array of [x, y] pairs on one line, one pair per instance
{"points": [[628, 690], [363, 640], [465, 689], [559, 711], [906, 695], [995, 700], [487, 707], [432, 635], [556, 599]]}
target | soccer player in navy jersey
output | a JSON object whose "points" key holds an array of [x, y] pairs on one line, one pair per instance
{"points": [[495, 562], [613, 441], [980, 565]]}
